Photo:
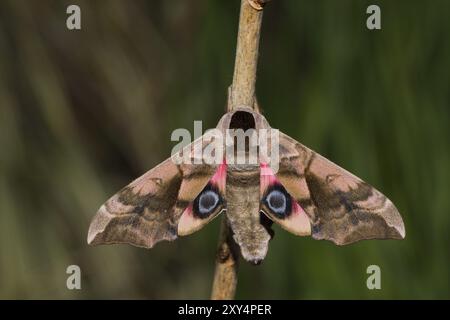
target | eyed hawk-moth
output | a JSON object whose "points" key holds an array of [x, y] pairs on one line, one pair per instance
{"points": [[307, 195]]}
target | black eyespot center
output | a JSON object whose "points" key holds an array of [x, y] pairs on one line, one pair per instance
{"points": [[207, 201], [278, 201]]}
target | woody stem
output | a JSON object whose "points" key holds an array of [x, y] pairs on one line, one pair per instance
{"points": [[242, 91], [241, 94]]}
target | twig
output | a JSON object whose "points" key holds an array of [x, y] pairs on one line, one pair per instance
{"points": [[227, 259], [243, 88], [241, 94]]}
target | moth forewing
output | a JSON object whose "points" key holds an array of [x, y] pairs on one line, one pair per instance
{"points": [[148, 210], [143, 212], [342, 207]]}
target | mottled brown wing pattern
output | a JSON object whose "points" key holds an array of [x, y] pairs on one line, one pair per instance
{"points": [[148, 209], [342, 208]]}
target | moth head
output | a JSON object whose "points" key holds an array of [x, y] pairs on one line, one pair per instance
{"points": [[243, 118]]}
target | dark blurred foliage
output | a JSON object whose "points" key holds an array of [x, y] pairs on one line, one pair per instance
{"points": [[82, 113]]}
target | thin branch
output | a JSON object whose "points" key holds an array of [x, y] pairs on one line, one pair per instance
{"points": [[227, 260], [241, 94]]}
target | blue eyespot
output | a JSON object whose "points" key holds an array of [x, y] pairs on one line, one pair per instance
{"points": [[278, 201], [207, 202]]}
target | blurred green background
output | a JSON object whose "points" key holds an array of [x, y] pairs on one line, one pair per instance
{"points": [[82, 113]]}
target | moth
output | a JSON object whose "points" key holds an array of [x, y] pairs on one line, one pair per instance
{"points": [[308, 196]]}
